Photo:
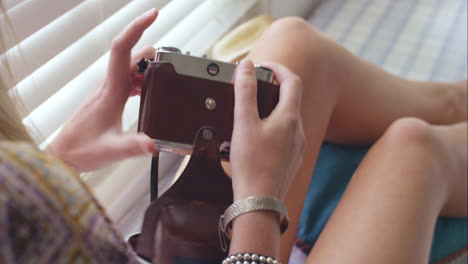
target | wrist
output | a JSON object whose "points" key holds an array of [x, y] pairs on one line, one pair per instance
{"points": [[256, 193], [55, 149], [59, 150], [259, 185], [255, 190], [256, 231], [256, 224]]}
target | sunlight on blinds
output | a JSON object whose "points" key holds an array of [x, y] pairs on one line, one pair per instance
{"points": [[25, 18], [75, 58], [7, 4], [55, 110], [54, 37]]}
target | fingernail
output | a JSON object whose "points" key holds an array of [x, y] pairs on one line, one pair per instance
{"points": [[150, 149], [149, 145], [149, 12], [245, 65]]}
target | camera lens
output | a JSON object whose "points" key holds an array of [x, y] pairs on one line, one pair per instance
{"points": [[213, 69]]}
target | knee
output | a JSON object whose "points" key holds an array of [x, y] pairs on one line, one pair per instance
{"points": [[411, 134], [292, 24], [415, 153], [295, 43], [295, 31]]}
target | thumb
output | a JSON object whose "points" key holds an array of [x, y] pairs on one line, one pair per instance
{"points": [[245, 92], [130, 145], [112, 149]]}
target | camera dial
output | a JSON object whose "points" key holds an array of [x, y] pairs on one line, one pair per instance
{"points": [[169, 49]]}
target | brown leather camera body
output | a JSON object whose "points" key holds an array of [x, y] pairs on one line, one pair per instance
{"points": [[181, 226]]}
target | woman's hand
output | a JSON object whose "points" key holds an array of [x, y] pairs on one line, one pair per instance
{"points": [[265, 154], [93, 136]]}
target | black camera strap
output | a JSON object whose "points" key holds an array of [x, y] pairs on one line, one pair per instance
{"points": [[154, 177]]}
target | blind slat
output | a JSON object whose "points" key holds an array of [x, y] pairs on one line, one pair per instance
{"points": [[129, 176], [61, 69], [8, 4], [116, 191], [52, 113], [25, 18], [40, 47]]}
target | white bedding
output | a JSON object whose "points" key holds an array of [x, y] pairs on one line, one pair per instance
{"points": [[416, 39]]}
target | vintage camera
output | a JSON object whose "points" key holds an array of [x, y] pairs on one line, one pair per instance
{"points": [[183, 93]]}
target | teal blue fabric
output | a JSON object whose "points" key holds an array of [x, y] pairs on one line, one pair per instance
{"points": [[335, 166]]}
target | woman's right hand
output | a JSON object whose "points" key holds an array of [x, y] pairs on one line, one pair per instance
{"points": [[265, 153]]}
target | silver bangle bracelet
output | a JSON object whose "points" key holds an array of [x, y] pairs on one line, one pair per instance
{"points": [[247, 205]]}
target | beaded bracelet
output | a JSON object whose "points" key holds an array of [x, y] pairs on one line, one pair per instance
{"points": [[249, 258]]}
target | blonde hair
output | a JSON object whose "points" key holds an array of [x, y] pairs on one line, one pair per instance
{"points": [[11, 127]]}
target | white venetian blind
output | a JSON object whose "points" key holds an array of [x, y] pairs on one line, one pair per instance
{"points": [[7, 4], [59, 51]]}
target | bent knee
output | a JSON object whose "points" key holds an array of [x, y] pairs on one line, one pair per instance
{"points": [[411, 133], [293, 42], [291, 24], [294, 30]]}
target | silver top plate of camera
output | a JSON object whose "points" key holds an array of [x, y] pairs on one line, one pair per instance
{"points": [[186, 64]]}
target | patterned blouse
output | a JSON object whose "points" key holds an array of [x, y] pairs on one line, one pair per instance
{"points": [[47, 214]]}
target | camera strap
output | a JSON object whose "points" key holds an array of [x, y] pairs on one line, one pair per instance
{"points": [[154, 177]]}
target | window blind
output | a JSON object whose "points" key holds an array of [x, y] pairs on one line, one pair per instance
{"points": [[7, 4], [27, 11], [69, 30], [59, 52]]}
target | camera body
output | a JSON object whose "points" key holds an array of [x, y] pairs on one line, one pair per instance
{"points": [[183, 93]]}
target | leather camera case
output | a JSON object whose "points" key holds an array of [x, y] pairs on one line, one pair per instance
{"points": [[180, 227]]}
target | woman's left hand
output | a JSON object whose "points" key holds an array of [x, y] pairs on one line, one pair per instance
{"points": [[93, 136]]}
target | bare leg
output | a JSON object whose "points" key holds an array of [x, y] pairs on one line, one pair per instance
{"points": [[345, 99], [366, 98], [387, 215]]}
